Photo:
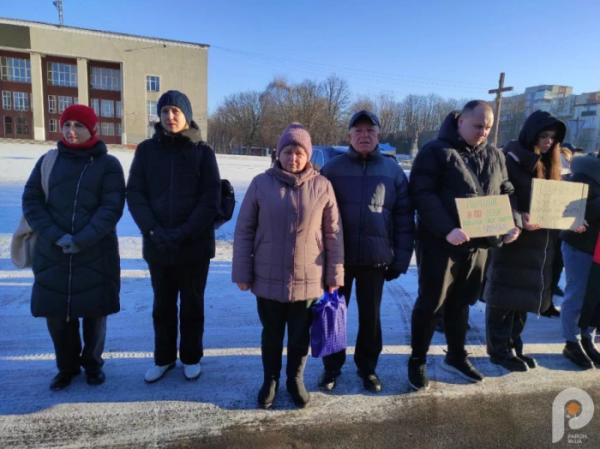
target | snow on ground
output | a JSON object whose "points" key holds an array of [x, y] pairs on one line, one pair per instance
{"points": [[126, 411]]}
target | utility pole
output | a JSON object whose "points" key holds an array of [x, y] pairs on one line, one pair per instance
{"points": [[498, 93], [59, 7]]}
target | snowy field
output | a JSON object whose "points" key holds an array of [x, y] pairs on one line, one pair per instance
{"points": [[125, 411]]}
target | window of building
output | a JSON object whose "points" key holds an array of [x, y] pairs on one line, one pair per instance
{"points": [[118, 110], [15, 69], [106, 79], [64, 102], [53, 125], [8, 126], [118, 130], [6, 100], [107, 129], [95, 105], [22, 127], [588, 113], [52, 104], [60, 74], [20, 102], [152, 83], [107, 108], [151, 108]]}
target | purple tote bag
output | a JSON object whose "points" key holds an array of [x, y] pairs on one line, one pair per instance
{"points": [[328, 328]]}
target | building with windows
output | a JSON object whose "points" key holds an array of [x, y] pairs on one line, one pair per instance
{"points": [[44, 68], [581, 113]]}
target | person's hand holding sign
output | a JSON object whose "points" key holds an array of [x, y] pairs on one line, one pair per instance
{"points": [[457, 237]]}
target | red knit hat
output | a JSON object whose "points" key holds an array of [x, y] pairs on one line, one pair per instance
{"points": [[83, 114]]}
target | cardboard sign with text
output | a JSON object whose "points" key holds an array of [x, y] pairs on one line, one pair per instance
{"points": [[485, 216], [557, 204]]}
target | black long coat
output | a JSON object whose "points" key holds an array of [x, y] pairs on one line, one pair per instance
{"points": [[519, 275], [174, 183], [445, 169], [86, 199]]}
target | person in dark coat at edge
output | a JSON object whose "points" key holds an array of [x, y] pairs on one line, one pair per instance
{"points": [[173, 194], [520, 276], [76, 264], [458, 164], [378, 221], [579, 316]]}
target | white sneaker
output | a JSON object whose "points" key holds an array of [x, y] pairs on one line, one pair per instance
{"points": [[191, 372], [157, 372]]}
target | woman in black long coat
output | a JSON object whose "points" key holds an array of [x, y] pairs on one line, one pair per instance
{"points": [[519, 277], [76, 259]]}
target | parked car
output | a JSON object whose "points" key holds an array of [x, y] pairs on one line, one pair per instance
{"points": [[322, 153]]}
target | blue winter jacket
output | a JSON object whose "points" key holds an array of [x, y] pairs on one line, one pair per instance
{"points": [[378, 219]]}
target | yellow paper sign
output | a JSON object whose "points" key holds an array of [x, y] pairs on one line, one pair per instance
{"points": [[557, 204], [485, 216]]}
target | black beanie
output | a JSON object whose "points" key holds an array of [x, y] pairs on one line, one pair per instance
{"points": [[178, 99]]}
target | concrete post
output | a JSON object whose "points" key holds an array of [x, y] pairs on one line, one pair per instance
{"points": [[37, 97], [82, 82]]}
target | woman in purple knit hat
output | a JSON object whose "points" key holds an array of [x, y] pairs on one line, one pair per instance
{"points": [[288, 247]]}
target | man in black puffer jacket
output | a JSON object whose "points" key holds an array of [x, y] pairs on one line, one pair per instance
{"points": [[378, 220], [458, 164], [173, 194]]}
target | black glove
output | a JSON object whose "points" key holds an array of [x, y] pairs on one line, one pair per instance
{"points": [[65, 241], [67, 244], [391, 274], [71, 249], [159, 238]]}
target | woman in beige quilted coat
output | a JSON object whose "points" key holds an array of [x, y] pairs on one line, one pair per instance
{"points": [[288, 248]]}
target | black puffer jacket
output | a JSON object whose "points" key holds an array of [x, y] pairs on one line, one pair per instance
{"points": [[519, 276], [586, 169], [378, 220], [86, 199], [440, 174], [174, 184]]}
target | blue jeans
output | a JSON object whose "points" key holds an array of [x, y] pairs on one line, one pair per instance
{"points": [[577, 270]]}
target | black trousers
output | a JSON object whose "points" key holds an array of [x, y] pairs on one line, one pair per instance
{"points": [[503, 330], [452, 281], [67, 343], [188, 283], [274, 316], [557, 264], [369, 289]]}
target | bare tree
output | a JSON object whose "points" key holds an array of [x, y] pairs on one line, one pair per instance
{"points": [[336, 94]]}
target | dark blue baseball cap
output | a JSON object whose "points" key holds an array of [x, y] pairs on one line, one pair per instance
{"points": [[364, 115]]}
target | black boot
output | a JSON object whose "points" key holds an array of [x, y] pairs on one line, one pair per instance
{"points": [[590, 349], [529, 361], [551, 312], [267, 393], [271, 359], [62, 380], [295, 378], [575, 353]]}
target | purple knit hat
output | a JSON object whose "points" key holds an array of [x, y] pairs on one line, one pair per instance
{"points": [[295, 134]]}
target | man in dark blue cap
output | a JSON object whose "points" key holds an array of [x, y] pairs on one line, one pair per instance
{"points": [[173, 195], [372, 195]]}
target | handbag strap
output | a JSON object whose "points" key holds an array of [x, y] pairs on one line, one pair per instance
{"points": [[47, 166]]}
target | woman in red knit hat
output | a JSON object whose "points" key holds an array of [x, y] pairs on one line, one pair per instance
{"points": [[73, 205]]}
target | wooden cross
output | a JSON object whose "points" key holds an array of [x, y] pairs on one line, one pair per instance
{"points": [[498, 93]]}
